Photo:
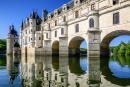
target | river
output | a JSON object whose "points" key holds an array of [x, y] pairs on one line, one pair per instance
{"points": [[54, 71]]}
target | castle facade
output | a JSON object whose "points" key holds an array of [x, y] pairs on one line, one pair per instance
{"points": [[62, 31]]}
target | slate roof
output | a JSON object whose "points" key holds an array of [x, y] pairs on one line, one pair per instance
{"points": [[69, 6], [12, 31]]}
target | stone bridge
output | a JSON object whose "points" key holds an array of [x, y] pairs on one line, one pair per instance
{"points": [[96, 22]]}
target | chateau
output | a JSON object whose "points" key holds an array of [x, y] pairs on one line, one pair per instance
{"points": [[62, 31]]}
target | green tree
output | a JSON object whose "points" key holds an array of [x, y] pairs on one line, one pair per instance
{"points": [[122, 49], [127, 49], [115, 50], [129, 42], [2, 44], [16, 45]]}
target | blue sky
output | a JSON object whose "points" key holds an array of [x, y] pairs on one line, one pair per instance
{"points": [[13, 11]]}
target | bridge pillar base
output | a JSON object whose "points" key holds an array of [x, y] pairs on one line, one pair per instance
{"points": [[93, 44], [63, 46], [93, 72], [47, 47]]}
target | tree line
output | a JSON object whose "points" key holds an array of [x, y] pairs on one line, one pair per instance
{"points": [[121, 49], [2, 44]]}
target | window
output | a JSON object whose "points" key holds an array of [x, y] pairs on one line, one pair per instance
{"points": [[49, 25], [115, 2], [31, 30], [46, 35], [77, 28], [55, 33], [39, 38], [29, 39], [116, 18], [62, 31], [93, 7], [64, 18], [76, 14], [91, 23], [42, 37], [56, 23], [31, 22]]}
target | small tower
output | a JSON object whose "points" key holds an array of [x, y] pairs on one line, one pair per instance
{"points": [[11, 38], [21, 28]]}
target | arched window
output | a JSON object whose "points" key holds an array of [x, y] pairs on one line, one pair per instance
{"points": [[91, 23], [77, 27], [62, 31]]}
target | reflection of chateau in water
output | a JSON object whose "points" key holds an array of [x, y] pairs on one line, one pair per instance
{"points": [[47, 72], [12, 67], [39, 71]]}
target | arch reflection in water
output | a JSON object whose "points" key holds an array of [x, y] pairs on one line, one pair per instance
{"points": [[111, 74], [12, 67]]}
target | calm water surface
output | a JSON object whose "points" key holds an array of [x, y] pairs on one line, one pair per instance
{"points": [[48, 71]]}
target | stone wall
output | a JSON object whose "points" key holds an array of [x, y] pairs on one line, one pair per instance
{"points": [[16, 51], [35, 51]]}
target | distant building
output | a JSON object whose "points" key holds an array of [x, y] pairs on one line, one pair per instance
{"points": [[11, 38]]}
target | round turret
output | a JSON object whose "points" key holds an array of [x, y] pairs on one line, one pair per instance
{"points": [[11, 38]]}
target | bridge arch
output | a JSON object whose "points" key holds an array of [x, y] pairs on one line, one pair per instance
{"points": [[74, 45], [55, 48], [104, 47]]}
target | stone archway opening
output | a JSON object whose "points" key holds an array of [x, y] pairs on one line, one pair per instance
{"points": [[55, 48], [104, 47], [74, 46]]}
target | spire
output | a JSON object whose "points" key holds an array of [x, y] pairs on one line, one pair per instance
{"points": [[22, 24], [12, 27], [9, 29], [33, 15], [33, 9]]}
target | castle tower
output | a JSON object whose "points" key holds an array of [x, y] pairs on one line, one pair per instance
{"points": [[32, 29], [11, 38], [21, 28]]}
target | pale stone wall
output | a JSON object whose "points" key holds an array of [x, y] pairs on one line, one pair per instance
{"points": [[16, 50]]}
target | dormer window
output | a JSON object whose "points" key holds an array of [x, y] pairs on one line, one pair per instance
{"points": [[93, 7], [64, 7], [115, 2]]}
